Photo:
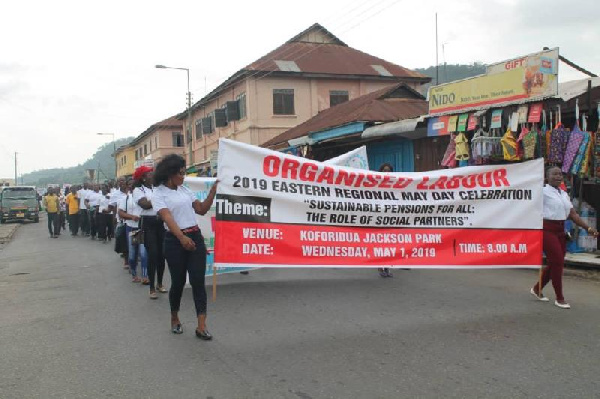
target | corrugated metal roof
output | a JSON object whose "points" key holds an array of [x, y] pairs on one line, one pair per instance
{"points": [[171, 122], [331, 58], [379, 106], [327, 58]]}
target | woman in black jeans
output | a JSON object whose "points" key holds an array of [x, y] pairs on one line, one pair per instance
{"points": [[152, 228], [184, 246]]}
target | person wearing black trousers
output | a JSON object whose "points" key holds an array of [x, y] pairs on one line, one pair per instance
{"points": [[184, 245], [152, 229], [104, 216]]}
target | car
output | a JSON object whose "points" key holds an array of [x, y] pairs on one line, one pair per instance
{"points": [[19, 203]]}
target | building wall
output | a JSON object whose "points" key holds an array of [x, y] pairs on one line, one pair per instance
{"points": [[7, 182], [125, 162], [158, 143], [311, 96]]}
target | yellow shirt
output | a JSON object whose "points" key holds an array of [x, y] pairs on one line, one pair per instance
{"points": [[73, 203], [51, 203]]}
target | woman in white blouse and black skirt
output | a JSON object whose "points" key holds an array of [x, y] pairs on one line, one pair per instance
{"points": [[557, 209], [184, 247]]}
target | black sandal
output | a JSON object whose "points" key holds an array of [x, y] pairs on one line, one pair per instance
{"points": [[203, 335], [177, 329]]}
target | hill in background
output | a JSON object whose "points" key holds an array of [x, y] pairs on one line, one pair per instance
{"points": [[101, 160]]}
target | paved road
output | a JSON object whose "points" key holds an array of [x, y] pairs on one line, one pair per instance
{"points": [[75, 327]]}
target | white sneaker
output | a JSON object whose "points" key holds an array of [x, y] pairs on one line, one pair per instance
{"points": [[562, 305], [540, 297]]}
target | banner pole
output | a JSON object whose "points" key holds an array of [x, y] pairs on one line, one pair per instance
{"points": [[214, 287]]}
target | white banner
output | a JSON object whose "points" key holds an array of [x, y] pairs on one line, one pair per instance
{"points": [[201, 186], [279, 210]]}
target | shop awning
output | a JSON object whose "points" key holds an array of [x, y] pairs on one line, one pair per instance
{"points": [[406, 128], [575, 88]]}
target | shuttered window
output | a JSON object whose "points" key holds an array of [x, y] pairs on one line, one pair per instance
{"points": [[283, 101], [337, 97]]}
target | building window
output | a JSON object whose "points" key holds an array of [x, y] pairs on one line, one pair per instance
{"points": [[337, 97], [145, 149], [136, 155], [156, 142], [241, 99], [198, 129], [150, 145], [177, 139], [283, 101]]}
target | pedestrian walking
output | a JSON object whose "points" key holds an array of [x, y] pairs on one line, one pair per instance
{"points": [[104, 216], [152, 228], [62, 212], [184, 245], [92, 203], [84, 218], [73, 209], [52, 205], [130, 213], [556, 209], [121, 246]]}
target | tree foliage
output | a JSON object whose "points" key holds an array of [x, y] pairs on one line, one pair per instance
{"points": [[102, 160]]}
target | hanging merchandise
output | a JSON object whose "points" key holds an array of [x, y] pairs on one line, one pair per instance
{"points": [[452, 123], [535, 112], [496, 153], [573, 145], [581, 152], [522, 112], [449, 159], [541, 139], [529, 141], [587, 159], [596, 157], [559, 138], [481, 147], [462, 122], [496, 119], [462, 147], [509, 146], [472, 123]]}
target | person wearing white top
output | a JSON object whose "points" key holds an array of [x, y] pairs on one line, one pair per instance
{"points": [[92, 200], [119, 232], [104, 216], [152, 228], [84, 221], [556, 209], [184, 245], [130, 213]]}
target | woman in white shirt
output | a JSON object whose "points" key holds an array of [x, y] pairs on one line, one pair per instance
{"points": [[130, 213], [184, 245], [557, 209], [152, 228]]}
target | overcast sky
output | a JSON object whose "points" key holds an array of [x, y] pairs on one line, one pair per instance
{"points": [[71, 69]]}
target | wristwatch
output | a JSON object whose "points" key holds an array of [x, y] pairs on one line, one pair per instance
{"points": [[589, 230]]}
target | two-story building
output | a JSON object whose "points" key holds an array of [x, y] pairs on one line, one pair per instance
{"points": [[306, 75], [160, 139], [125, 161]]}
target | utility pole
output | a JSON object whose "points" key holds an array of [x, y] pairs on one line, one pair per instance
{"points": [[437, 68], [16, 181]]}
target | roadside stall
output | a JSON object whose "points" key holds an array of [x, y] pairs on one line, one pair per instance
{"points": [[516, 112]]}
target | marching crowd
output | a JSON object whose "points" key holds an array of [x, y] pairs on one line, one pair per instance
{"points": [[152, 219]]}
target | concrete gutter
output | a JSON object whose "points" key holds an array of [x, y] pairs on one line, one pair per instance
{"points": [[7, 231]]}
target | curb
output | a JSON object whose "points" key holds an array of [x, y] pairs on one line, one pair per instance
{"points": [[11, 232]]}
